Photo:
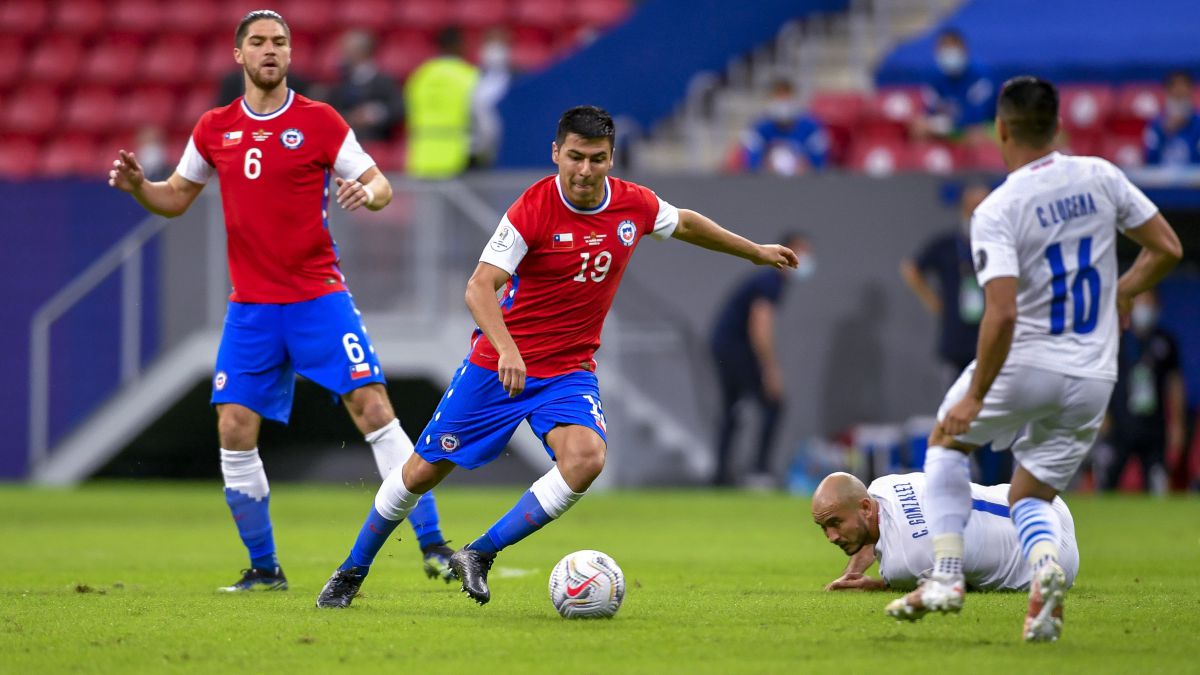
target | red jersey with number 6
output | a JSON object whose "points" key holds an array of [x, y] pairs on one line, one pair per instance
{"points": [[566, 263], [274, 170]]}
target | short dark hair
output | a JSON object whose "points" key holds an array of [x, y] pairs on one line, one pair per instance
{"points": [[952, 34], [587, 121], [244, 25], [450, 40], [1178, 75], [1029, 106], [788, 236]]}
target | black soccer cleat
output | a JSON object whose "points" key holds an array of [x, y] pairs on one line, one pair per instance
{"points": [[437, 561], [472, 567], [340, 589], [255, 579]]}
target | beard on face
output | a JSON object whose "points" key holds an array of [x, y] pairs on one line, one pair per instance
{"points": [[262, 82]]}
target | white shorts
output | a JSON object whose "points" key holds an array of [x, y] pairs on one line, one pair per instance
{"points": [[1060, 416]]}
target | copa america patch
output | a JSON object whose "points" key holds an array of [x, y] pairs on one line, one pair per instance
{"points": [[627, 232], [449, 442], [220, 380], [291, 139], [503, 240]]}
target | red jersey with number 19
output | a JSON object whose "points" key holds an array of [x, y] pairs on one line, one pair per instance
{"points": [[566, 263], [274, 170]]}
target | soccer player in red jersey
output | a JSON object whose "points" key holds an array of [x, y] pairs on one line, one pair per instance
{"points": [[559, 254], [274, 152]]}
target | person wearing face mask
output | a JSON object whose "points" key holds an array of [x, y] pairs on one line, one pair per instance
{"points": [[1146, 414], [366, 97], [961, 99], [495, 75], [1174, 138], [785, 141], [743, 346]]}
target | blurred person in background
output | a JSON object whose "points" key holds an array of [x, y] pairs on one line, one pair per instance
{"points": [[437, 107], [494, 79], [743, 347], [1174, 138], [961, 100], [957, 301], [786, 140], [368, 99], [1146, 414], [151, 151]]}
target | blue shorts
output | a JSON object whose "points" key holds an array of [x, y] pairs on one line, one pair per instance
{"points": [[476, 417], [263, 347]]}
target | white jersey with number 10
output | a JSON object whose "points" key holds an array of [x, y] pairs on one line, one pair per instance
{"points": [[1053, 225]]}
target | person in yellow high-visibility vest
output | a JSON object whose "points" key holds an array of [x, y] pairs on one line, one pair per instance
{"points": [[437, 101]]}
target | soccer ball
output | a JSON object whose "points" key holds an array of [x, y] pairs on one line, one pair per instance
{"points": [[587, 584]]}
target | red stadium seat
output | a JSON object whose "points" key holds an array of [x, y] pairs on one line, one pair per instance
{"points": [[216, 59], [18, 158], [481, 14], [838, 108], [983, 155], [325, 67], [196, 102], [94, 110], [880, 156], [1080, 144], [549, 14], [428, 15], [23, 17], [12, 60], [889, 112], [70, 155], [1136, 105], [1085, 109], [1127, 152], [309, 16], [934, 157], [113, 61], [531, 55], [364, 14], [399, 57], [199, 18], [82, 17], [31, 111], [136, 16], [172, 59], [56, 60], [148, 106], [599, 13]]}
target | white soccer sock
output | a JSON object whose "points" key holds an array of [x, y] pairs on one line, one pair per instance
{"points": [[243, 471], [391, 447], [553, 493], [394, 501], [1038, 529], [948, 503]]}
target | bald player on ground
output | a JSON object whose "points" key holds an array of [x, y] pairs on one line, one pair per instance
{"points": [[886, 523]]}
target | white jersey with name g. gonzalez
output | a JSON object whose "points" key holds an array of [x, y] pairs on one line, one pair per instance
{"points": [[993, 559]]}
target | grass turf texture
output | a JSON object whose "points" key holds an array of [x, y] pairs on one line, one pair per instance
{"points": [[120, 577]]}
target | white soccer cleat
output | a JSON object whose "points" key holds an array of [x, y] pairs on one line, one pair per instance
{"points": [[1044, 621], [935, 593]]}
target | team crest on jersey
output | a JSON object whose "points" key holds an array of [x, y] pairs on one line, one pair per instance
{"points": [[980, 260], [449, 442], [260, 135], [220, 380], [627, 231], [291, 139]]}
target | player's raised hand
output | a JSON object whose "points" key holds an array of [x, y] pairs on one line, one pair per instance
{"points": [[352, 194], [511, 371], [126, 174], [777, 256]]}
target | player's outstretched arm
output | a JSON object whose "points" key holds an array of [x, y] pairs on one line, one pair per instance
{"points": [[169, 198], [696, 228], [371, 190], [1161, 252], [481, 300]]}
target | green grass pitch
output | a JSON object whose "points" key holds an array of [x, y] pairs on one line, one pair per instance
{"points": [[121, 577]]}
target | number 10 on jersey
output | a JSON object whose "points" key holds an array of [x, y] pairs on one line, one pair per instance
{"points": [[1085, 290]]}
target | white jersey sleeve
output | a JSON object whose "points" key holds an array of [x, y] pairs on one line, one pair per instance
{"points": [[993, 247], [1133, 207], [666, 221], [506, 248], [352, 161], [192, 165]]}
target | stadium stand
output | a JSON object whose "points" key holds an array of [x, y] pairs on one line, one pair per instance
{"points": [[163, 63]]}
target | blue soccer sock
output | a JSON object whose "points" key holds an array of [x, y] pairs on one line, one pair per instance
{"points": [[393, 503], [425, 522], [249, 498], [546, 500], [1038, 529]]}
